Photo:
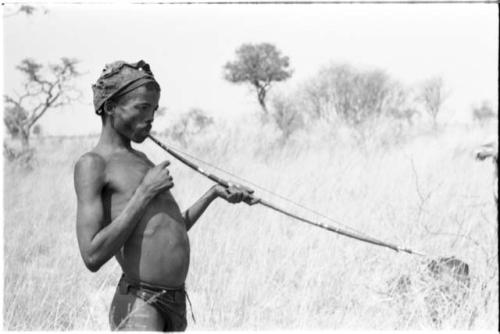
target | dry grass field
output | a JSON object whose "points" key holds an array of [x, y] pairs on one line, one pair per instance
{"points": [[253, 269]]}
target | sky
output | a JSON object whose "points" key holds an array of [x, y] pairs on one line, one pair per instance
{"points": [[188, 45]]}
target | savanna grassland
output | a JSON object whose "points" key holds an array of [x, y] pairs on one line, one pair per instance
{"points": [[253, 269]]}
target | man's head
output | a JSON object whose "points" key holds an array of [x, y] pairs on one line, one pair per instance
{"points": [[126, 96]]}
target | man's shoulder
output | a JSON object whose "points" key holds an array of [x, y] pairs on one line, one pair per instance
{"points": [[140, 153], [90, 163]]}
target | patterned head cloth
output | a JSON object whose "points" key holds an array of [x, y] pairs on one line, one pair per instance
{"points": [[119, 78]]}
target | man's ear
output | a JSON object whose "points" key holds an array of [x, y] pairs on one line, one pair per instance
{"points": [[109, 108]]}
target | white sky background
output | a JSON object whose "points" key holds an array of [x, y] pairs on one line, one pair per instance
{"points": [[187, 46]]}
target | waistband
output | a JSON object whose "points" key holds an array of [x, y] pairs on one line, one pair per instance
{"points": [[157, 289], [138, 283], [154, 287]]}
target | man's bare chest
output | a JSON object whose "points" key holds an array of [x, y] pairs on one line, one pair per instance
{"points": [[124, 174]]}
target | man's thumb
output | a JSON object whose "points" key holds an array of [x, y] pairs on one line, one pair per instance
{"points": [[164, 164]]}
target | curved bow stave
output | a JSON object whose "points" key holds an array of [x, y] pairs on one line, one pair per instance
{"points": [[252, 200]]}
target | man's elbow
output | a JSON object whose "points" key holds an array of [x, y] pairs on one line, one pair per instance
{"points": [[92, 263]]}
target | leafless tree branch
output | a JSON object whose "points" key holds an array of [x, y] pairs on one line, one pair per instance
{"points": [[45, 88]]}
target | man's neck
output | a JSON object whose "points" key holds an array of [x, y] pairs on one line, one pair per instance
{"points": [[112, 139]]}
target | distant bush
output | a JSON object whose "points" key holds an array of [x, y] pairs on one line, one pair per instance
{"points": [[340, 91], [286, 114], [432, 94], [483, 113], [24, 158], [189, 124]]}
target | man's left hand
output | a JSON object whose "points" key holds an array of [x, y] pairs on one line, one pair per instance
{"points": [[234, 193]]}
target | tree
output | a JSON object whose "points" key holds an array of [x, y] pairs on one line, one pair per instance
{"points": [[44, 88], [432, 95], [258, 65]]}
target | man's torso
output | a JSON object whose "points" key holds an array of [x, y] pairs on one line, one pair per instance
{"points": [[157, 251]]}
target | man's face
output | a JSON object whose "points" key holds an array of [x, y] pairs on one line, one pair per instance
{"points": [[134, 113]]}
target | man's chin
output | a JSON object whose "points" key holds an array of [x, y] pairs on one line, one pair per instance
{"points": [[139, 139]]}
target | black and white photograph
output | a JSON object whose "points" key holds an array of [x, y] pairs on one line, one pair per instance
{"points": [[250, 166]]}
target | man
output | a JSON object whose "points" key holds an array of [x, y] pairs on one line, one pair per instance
{"points": [[490, 150], [125, 208]]}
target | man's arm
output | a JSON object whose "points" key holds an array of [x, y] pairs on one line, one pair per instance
{"points": [[231, 194], [99, 242]]}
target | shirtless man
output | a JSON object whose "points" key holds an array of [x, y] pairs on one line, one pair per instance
{"points": [[125, 208]]}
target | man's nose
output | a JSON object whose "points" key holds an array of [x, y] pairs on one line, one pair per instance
{"points": [[149, 118]]}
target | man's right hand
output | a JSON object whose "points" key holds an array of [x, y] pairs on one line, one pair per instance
{"points": [[157, 179]]}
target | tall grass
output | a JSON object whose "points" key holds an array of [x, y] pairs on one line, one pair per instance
{"points": [[252, 268]]}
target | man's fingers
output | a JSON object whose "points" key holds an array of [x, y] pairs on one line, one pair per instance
{"points": [[227, 192], [247, 196], [250, 200], [247, 190], [236, 194], [239, 187]]}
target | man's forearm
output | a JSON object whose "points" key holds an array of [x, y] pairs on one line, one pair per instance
{"points": [[110, 239], [192, 214]]}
